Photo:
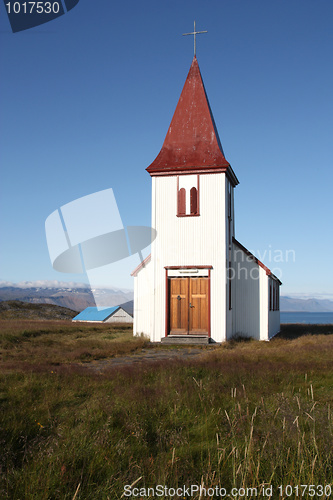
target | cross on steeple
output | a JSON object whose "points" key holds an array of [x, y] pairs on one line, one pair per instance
{"points": [[195, 33]]}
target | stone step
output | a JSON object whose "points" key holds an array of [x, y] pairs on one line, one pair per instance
{"points": [[186, 339]]}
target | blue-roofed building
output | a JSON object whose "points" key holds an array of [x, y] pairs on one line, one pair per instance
{"points": [[104, 315]]}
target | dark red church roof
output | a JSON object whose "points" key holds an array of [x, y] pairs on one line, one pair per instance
{"points": [[192, 144]]}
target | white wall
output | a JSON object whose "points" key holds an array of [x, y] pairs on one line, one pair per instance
{"points": [[189, 241], [120, 316], [264, 304], [251, 315], [143, 297], [202, 241], [273, 323], [246, 296], [229, 251]]}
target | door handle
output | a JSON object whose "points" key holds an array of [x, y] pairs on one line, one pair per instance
{"points": [[191, 305]]}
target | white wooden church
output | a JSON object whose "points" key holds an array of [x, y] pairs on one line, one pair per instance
{"points": [[199, 281]]}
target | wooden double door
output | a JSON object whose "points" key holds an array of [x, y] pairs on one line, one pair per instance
{"points": [[188, 306]]}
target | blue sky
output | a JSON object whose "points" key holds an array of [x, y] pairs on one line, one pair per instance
{"points": [[86, 101]]}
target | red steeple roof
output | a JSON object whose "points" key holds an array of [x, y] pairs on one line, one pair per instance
{"points": [[192, 143]]}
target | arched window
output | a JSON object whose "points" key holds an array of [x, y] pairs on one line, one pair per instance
{"points": [[188, 200], [182, 202], [194, 201]]}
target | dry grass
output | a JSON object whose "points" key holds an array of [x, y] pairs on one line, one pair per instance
{"points": [[244, 415], [39, 342]]}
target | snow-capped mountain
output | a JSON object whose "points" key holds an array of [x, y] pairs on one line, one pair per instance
{"points": [[76, 296]]}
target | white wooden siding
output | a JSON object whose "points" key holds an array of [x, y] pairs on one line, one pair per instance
{"points": [[229, 255], [251, 315], [143, 296], [202, 241], [273, 323], [264, 306], [189, 241], [246, 296], [120, 316]]}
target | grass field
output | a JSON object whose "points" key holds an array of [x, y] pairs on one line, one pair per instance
{"points": [[244, 415]]}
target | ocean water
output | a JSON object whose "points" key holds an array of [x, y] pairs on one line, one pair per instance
{"points": [[307, 317]]}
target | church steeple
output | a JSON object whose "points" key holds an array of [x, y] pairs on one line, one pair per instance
{"points": [[192, 144]]}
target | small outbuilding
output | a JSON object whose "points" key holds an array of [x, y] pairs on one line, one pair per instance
{"points": [[104, 315]]}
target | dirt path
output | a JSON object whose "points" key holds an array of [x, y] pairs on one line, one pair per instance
{"points": [[150, 355]]}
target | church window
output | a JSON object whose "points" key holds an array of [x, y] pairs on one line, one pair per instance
{"points": [[270, 295], [188, 195], [182, 202], [274, 297], [194, 201]]}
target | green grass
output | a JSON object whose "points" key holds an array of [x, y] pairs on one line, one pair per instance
{"points": [[246, 414]]}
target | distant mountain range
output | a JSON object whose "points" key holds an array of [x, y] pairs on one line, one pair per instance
{"points": [[78, 296], [289, 304]]}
